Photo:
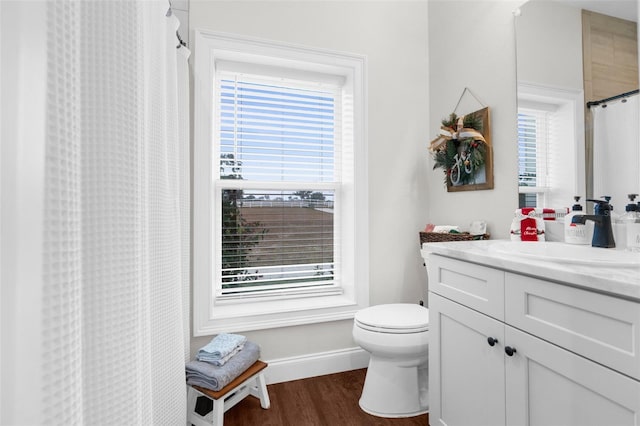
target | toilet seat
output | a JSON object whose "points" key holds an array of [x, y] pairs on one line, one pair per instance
{"points": [[394, 318]]}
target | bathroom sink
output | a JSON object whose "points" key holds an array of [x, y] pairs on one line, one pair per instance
{"points": [[567, 253]]}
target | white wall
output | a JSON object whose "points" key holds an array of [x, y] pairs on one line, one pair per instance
{"points": [[472, 44], [393, 35], [549, 45]]}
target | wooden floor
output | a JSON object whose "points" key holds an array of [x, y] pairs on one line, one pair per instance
{"points": [[330, 400]]}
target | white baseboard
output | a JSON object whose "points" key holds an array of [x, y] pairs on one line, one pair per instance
{"points": [[316, 364]]}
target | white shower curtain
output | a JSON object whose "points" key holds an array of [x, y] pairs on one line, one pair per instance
{"points": [[616, 151], [95, 214]]}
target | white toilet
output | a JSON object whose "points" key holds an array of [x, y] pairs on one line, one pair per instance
{"points": [[396, 336]]}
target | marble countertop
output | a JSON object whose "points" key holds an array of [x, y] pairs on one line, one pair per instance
{"points": [[621, 281]]}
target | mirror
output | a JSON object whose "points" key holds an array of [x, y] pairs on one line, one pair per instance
{"points": [[554, 84]]}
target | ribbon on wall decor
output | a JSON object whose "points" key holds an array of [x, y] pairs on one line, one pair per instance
{"points": [[447, 133]]}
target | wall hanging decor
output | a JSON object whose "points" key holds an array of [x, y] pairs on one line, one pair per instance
{"points": [[463, 150]]}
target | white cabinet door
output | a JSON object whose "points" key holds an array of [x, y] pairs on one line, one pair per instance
{"points": [[547, 385], [466, 373]]}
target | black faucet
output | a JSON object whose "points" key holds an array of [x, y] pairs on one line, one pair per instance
{"points": [[602, 231]]}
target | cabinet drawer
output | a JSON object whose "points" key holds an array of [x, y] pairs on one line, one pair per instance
{"points": [[478, 287], [599, 327]]}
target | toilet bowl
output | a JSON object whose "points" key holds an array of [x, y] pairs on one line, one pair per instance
{"points": [[396, 337]]}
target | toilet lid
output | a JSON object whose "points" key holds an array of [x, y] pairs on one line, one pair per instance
{"points": [[394, 318]]}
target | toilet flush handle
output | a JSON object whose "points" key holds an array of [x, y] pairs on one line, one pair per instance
{"points": [[491, 341]]}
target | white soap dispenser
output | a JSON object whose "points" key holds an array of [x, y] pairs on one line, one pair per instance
{"points": [[575, 233], [625, 223], [633, 233]]}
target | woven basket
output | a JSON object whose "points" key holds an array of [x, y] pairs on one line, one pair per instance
{"points": [[439, 237]]}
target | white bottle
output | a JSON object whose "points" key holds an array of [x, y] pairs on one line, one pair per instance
{"points": [[625, 223], [575, 233], [633, 236]]}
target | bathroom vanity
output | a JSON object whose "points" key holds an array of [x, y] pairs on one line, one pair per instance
{"points": [[523, 339]]}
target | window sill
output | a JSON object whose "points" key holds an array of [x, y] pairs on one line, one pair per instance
{"points": [[236, 317]]}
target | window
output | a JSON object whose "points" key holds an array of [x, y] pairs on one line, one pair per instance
{"points": [[277, 185], [279, 180], [550, 146]]}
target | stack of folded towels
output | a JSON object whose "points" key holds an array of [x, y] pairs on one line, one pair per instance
{"points": [[221, 360]]}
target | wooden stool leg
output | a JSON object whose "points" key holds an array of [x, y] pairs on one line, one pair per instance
{"points": [[191, 404], [218, 412], [260, 391], [192, 417]]}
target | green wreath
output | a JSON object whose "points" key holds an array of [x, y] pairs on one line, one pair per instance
{"points": [[461, 158]]}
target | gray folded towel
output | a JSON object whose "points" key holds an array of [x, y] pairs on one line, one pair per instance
{"points": [[209, 376]]}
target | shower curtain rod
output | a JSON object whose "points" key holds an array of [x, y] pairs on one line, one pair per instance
{"points": [[601, 101]]}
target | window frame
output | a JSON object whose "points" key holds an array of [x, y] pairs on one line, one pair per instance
{"points": [[212, 314], [569, 103]]}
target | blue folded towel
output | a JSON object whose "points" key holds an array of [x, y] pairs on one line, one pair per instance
{"points": [[209, 376], [222, 361], [221, 348]]}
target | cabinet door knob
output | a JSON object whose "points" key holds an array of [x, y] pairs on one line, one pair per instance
{"points": [[491, 341], [509, 350]]}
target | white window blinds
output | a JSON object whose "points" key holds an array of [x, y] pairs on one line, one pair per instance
{"points": [[532, 131], [277, 186], [533, 140], [277, 130]]}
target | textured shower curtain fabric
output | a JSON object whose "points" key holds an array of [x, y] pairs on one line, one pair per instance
{"points": [[616, 151], [113, 330]]}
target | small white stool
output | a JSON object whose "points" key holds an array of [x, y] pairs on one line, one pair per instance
{"points": [[251, 382]]}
